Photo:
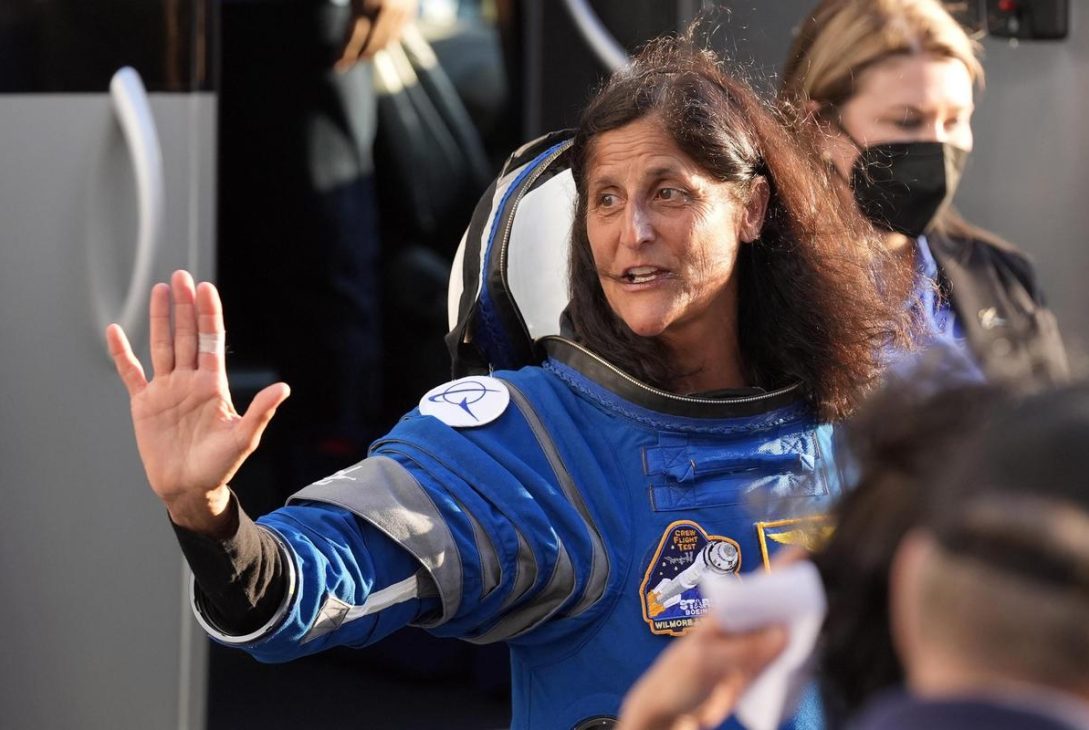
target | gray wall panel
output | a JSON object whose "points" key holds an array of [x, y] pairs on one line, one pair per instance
{"points": [[96, 633]]}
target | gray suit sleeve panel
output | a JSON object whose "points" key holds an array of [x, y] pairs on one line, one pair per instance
{"points": [[384, 494]]}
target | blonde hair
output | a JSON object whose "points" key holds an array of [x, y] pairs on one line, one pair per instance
{"points": [[842, 38]]}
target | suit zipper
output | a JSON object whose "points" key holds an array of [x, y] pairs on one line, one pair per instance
{"points": [[673, 396]]}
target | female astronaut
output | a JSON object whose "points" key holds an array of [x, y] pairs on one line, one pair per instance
{"points": [[723, 311]]}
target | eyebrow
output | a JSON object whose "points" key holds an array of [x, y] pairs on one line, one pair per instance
{"points": [[897, 108], [654, 173], [664, 171]]}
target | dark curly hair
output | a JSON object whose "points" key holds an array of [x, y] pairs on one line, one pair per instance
{"points": [[811, 309], [994, 472], [899, 444]]}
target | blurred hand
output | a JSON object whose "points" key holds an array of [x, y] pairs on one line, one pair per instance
{"points": [[189, 435], [788, 556], [375, 24], [697, 682]]}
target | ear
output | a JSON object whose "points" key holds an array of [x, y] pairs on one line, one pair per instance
{"points": [[756, 208], [906, 618]]}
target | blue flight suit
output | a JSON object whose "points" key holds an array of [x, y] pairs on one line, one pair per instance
{"points": [[561, 527]]}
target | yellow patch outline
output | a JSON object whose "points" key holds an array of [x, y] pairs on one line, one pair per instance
{"points": [[763, 527], [654, 559]]}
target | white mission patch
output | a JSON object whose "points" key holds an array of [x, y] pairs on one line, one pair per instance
{"points": [[467, 402]]}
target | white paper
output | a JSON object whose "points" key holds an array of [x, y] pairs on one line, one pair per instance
{"points": [[792, 596]]}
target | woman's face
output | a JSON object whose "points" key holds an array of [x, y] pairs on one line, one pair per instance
{"points": [[907, 98], [663, 233]]}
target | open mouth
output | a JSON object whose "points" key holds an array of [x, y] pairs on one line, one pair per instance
{"points": [[642, 274]]}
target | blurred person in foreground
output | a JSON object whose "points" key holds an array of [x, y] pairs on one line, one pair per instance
{"points": [[885, 89], [960, 568], [725, 310]]}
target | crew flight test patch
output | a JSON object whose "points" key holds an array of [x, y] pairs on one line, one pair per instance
{"points": [[670, 593]]}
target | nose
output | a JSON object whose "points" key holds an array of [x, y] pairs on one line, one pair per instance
{"points": [[638, 229], [935, 131], [957, 134]]}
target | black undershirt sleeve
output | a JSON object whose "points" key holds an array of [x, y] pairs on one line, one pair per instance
{"points": [[242, 577]]}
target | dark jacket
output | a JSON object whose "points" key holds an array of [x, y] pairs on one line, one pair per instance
{"points": [[992, 288], [902, 712]]}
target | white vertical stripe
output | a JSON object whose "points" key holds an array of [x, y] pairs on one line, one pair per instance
{"points": [[406, 590]]}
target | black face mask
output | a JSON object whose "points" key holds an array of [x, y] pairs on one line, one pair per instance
{"points": [[902, 186]]}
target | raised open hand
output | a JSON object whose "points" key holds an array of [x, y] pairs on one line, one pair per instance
{"points": [[190, 437]]}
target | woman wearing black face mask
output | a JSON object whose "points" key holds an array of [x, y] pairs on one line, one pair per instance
{"points": [[886, 89]]}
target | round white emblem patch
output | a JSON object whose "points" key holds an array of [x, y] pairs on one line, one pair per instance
{"points": [[466, 402]]}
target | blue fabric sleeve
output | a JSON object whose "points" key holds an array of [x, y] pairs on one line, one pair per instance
{"points": [[489, 513], [526, 552], [335, 555]]}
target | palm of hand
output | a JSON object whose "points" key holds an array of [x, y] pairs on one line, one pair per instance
{"points": [[190, 437], [187, 432]]}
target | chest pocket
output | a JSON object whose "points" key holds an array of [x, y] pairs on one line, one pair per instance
{"points": [[691, 472]]}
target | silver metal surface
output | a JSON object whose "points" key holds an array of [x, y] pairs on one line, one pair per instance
{"points": [[604, 45], [99, 630]]}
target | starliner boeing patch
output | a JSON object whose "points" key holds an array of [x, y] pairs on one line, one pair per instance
{"points": [[467, 402], [670, 593]]}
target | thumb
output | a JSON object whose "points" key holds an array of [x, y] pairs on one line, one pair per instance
{"points": [[261, 410]]}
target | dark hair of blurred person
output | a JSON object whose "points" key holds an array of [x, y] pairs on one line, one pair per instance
{"points": [[997, 479], [808, 308], [1010, 574], [989, 595], [897, 442]]}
